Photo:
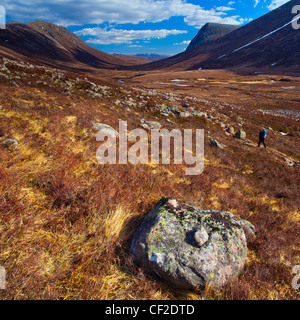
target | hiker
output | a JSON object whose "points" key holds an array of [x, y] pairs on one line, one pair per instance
{"points": [[262, 137]]}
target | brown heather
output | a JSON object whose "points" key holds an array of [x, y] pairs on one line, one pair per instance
{"points": [[66, 222]]}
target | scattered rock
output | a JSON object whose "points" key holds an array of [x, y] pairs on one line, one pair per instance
{"points": [[289, 162], [4, 75], [129, 103], [190, 247], [106, 129], [230, 130], [184, 114], [249, 230], [10, 142], [148, 125], [167, 110], [241, 134], [222, 124], [12, 83], [199, 114], [215, 143]]}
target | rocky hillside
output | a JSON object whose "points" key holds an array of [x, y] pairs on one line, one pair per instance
{"points": [[210, 32]]}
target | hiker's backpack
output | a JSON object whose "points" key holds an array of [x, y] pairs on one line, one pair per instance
{"points": [[264, 133]]}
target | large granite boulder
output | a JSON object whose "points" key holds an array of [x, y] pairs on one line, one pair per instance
{"points": [[190, 247]]}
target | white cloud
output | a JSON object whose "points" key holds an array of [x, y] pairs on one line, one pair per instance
{"points": [[224, 8], [118, 36], [185, 42], [200, 17], [276, 3], [80, 12]]}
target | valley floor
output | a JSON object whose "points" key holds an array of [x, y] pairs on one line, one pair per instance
{"points": [[66, 221]]}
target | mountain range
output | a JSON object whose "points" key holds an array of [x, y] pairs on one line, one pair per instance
{"points": [[267, 43]]}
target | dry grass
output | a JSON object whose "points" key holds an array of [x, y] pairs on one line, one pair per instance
{"points": [[66, 222]]}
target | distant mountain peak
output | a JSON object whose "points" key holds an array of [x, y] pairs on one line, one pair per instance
{"points": [[210, 32]]}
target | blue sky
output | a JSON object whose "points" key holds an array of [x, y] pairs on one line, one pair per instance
{"points": [[138, 26]]}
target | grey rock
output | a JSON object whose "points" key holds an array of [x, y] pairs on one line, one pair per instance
{"points": [[129, 103], [184, 114], [249, 230], [215, 143], [106, 129], [171, 109], [289, 162], [241, 134], [201, 237], [4, 75], [230, 130], [198, 114], [189, 247], [145, 126], [10, 142], [150, 124], [222, 124], [97, 95], [12, 83]]}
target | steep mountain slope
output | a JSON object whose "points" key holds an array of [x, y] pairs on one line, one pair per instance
{"points": [[269, 42], [211, 32], [46, 43]]}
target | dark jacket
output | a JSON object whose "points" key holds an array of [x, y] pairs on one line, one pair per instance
{"points": [[262, 134]]}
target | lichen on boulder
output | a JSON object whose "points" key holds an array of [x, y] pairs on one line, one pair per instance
{"points": [[190, 247]]}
